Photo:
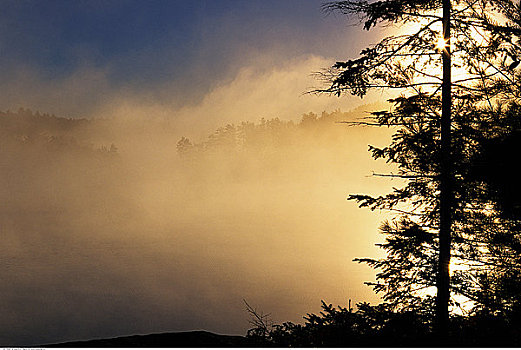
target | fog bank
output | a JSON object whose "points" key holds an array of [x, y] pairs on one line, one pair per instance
{"points": [[113, 229]]}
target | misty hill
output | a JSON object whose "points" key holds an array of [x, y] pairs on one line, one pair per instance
{"points": [[44, 130], [24, 121]]}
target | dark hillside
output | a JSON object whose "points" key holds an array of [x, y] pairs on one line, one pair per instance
{"points": [[171, 340]]}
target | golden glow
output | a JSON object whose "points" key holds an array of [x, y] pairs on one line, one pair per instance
{"points": [[456, 265], [441, 44], [191, 236]]}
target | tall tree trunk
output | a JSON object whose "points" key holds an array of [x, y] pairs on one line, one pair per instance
{"points": [[443, 278]]}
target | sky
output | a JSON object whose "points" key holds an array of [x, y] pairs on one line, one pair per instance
{"points": [[91, 58], [147, 244]]}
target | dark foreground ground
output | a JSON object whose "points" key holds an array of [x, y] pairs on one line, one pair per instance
{"points": [[193, 339], [204, 339]]}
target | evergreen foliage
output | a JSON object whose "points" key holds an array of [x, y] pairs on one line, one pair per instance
{"points": [[382, 326], [485, 114], [485, 277]]}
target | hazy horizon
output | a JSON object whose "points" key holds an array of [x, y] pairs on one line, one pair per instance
{"points": [[101, 242]]}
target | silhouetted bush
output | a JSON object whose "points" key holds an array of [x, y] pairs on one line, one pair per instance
{"points": [[380, 326]]}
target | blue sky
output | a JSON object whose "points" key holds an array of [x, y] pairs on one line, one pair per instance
{"points": [[58, 36]]}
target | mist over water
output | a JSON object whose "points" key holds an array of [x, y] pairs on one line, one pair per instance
{"points": [[108, 230]]}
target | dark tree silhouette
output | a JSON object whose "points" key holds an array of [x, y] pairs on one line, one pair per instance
{"points": [[439, 124]]}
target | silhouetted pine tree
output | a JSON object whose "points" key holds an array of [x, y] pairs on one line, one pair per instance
{"points": [[443, 127]]}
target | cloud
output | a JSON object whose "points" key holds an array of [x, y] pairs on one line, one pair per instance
{"points": [[279, 91], [75, 95], [260, 90]]}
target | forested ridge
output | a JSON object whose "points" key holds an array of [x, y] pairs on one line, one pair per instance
{"points": [[271, 132], [34, 129], [26, 126]]}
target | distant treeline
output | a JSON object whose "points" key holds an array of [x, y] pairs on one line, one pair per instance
{"points": [[267, 132], [27, 128]]}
